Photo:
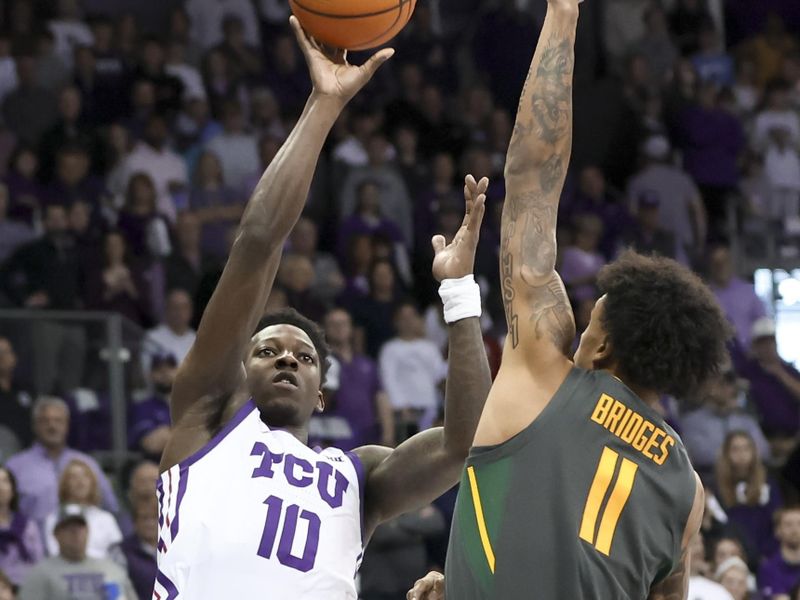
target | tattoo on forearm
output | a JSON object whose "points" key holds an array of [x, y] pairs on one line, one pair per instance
{"points": [[552, 92]]}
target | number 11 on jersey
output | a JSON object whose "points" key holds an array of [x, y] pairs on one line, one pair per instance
{"points": [[602, 537]]}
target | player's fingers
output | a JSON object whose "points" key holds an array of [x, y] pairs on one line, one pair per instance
{"points": [[302, 38], [483, 185], [476, 217], [376, 60], [469, 182], [438, 242]]}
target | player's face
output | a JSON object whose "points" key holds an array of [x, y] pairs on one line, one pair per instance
{"points": [[593, 347], [284, 375]]}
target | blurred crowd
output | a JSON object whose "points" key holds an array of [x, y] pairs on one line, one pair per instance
{"points": [[130, 142]]}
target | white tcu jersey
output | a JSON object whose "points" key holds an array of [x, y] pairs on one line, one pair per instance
{"points": [[256, 514]]}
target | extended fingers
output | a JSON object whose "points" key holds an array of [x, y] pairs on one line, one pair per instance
{"points": [[476, 215]]}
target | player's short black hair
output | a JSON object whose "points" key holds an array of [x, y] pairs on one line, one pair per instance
{"points": [[289, 316], [667, 330]]}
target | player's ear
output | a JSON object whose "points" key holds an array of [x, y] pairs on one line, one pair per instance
{"points": [[603, 354], [320, 401]]}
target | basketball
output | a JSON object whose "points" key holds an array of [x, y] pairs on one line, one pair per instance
{"points": [[353, 24]]}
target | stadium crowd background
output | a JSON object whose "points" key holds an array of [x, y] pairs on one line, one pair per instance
{"points": [[133, 132]]}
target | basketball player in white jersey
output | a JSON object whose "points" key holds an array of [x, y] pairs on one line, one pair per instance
{"points": [[247, 509]]}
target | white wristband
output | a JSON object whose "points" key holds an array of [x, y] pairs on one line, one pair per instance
{"points": [[461, 298]]}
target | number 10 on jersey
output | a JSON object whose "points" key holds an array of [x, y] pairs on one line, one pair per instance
{"points": [[293, 516]]}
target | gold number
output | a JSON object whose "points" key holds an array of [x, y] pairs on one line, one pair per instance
{"points": [[616, 501]]}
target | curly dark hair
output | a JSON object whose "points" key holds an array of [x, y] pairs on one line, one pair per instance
{"points": [[666, 329], [289, 316]]}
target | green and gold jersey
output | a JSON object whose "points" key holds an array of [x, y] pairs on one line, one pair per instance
{"points": [[589, 501]]}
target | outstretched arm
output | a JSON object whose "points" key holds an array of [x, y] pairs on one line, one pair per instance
{"points": [[428, 464], [540, 322], [213, 367]]}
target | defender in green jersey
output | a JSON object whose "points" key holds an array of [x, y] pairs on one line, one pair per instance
{"points": [[576, 488]]}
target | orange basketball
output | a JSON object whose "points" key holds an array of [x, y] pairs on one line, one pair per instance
{"points": [[353, 24]]}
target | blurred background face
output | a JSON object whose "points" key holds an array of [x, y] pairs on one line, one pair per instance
{"points": [[8, 358], [297, 273], [408, 322], [765, 349], [369, 199], [788, 530], [79, 217], [735, 581], [143, 483], [69, 104], [383, 278], [146, 522], [72, 537], [72, 167], [741, 454], [721, 394], [720, 266], [304, 237], [55, 220], [51, 425], [163, 376], [178, 312], [6, 489], [79, 484], [592, 182], [444, 168], [338, 328], [27, 164], [187, 230], [142, 195], [726, 549]]}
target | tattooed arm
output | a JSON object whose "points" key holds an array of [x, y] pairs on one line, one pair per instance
{"points": [[676, 585], [539, 317]]}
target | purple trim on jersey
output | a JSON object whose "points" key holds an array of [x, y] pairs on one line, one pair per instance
{"points": [[163, 580], [160, 492], [359, 467], [240, 416], [184, 474]]}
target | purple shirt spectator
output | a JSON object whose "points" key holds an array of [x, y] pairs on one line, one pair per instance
{"points": [[777, 406], [20, 548], [781, 573], [755, 522], [350, 419], [140, 559], [146, 416], [37, 474]]}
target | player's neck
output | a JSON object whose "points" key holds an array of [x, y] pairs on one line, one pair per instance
{"points": [[649, 397]]}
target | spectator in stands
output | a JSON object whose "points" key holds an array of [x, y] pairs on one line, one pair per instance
{"points": [[30, 109], [440, 189], [221, 82], [7, 587], [74, 574], [681, 211], [185, 265], [774, 387], [243, 57], [745, 492], [746, 90], [687, 20], [777, 114], [700, 586], [38, 469], [769, 47], [295, 277], [736, 297], [215, 204], [8, 67], [174, 336], [374, 313], [656, 45], [110, 74], [411, 370], [178, 65], [782, 170], [13, 232], [141, 485], [79, 485], [265, 115], [116, 283], [207, 17], [781, 571], [137, 552], [20, 538], [146, 230], [45, 274], [647, 236], [166, 169], [712, 141], [704, 430], [733, 574], [725, 548], [70, 29], [395, 205], [15, 415], [328, 280], [149, 419], [352, 151], [141, 107], [235, 148], [358, 413], [152, 68], [286, 74], [581, 260], [397, 553], [268, 147], [73, 181], [712, 63], [26, 193], [368, 218], [180, 30]]}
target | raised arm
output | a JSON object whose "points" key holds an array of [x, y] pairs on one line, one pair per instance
{"points": [[213, 367], [429, 463], [540, 322]]}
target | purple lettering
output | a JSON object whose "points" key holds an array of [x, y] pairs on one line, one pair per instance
{"points": [[269, 459], [305, 467], [305, 562], [325, 472], [274, 506]]}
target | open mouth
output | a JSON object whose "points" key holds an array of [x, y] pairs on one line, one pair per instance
{"points": [[285, 380]]}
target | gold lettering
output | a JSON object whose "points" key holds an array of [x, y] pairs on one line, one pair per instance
{"points": [[614, 415], [601, 410], [632, 428], [653, 443], [623, 423], [668, 441], [642, 439]]}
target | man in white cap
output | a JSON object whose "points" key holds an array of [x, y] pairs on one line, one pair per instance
{"points": [[681, 211], [72, 575]]}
